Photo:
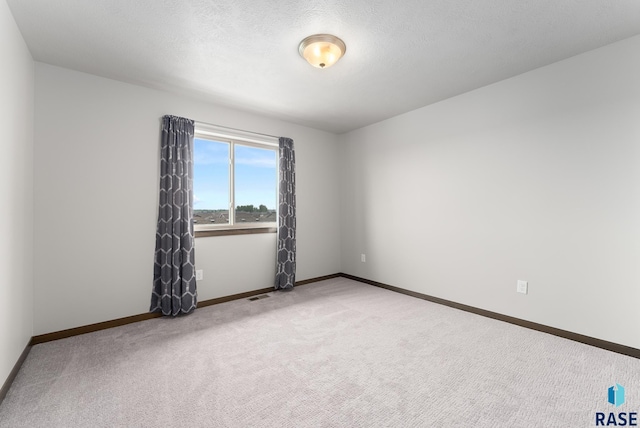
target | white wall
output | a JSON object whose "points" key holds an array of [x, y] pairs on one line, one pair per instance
{"points": [[534, 178], [96, 163], [16, 193]]}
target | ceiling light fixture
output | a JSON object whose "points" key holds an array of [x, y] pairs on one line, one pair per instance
{"points": [[322, 50]]}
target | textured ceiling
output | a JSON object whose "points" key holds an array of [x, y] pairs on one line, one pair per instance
{"points": [[401, 55]]}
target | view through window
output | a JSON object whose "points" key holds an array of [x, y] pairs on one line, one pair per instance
{"points": [[234, 183]]}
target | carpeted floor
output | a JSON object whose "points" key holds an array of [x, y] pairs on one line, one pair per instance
{"points": [[337, 353]]}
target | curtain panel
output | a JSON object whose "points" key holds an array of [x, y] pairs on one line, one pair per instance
{"points": [[174, 283], [286, 254]]}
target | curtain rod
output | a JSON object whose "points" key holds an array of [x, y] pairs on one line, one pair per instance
{"points": [[226, 128]]}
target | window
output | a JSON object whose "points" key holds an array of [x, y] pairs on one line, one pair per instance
{"points": [[235, 179]]}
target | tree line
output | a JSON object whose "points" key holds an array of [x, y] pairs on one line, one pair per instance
{"points": [[251, 208]]}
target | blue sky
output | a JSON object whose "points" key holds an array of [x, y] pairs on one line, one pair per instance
{"points": [[255, 175]]}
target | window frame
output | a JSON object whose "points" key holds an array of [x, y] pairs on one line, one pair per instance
{"points": [[243, 138]]}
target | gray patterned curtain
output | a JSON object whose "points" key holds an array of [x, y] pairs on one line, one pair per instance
{"points": [[286, 257], [174, 281]]}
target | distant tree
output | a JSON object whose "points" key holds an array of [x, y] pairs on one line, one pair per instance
{"points": [[245, 208], [263, 208]]}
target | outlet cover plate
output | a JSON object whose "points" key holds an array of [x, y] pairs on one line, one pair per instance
{"points": [[523, 287], [199, 274]]}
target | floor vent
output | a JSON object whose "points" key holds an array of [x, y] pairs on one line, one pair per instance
{"points": [[262, 296]]}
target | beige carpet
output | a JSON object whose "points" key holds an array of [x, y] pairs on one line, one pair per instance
{"points": [[337, 353]]}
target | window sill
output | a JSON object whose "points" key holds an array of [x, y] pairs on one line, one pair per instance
{"points": [[234, 231]]}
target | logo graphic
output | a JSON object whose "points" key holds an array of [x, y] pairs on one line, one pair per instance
{"points": [[616, 395]]}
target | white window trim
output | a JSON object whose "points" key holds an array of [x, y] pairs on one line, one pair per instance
{"points": [[206, 130], [232, 136]]}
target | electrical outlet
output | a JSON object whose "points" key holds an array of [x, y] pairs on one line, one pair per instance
{"points": [[363, 258], [199, 274], [522, 287]]}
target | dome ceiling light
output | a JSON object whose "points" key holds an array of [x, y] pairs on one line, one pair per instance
{"points": [[322, 50]]}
